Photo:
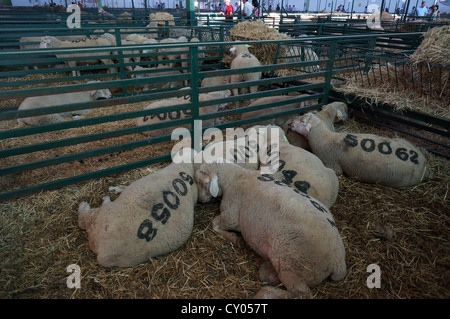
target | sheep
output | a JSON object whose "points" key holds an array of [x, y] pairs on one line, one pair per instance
{"points": [[147, 51], [273, 99], [125, 42], [240, 147], [52, 42], [173, 115], [158, 71], [301, 169], [59, 99], [171, 53], [293, 232], [215, 80], [153, 216], [137, 38], [200, 56], [392, 162], [244, 59], [330, 113]]}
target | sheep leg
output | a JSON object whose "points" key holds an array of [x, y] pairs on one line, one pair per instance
{"points": [[268, 274], [73, 64], [109, 61], [219, 226], [233, 79]]}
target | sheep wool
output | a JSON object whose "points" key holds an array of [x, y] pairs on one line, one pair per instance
{"points": [[370, 158], [244, 59], [293, 232], [330, 113], [153, 216]]}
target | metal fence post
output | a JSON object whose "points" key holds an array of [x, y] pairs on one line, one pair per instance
{"points": [[329, 72], [196, 125]]}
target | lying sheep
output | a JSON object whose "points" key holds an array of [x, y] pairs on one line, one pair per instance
{"points": [[52, 42], [180, 114], [244, 59], [272, 99], [153, 216], [369, 158], [303, 170], [158, 71], [330, 113], [293, 232], [59, 99]]}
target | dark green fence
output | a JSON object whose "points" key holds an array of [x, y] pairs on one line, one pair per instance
{"points": [[312, 75]]}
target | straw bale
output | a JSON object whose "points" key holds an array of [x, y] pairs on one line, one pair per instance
{"points": [[257, 30], [162, 17], [435, 47]]}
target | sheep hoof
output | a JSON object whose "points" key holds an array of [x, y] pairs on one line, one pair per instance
{"points": [[106, 199], [116, 189], [268, 292], [83, 208]]}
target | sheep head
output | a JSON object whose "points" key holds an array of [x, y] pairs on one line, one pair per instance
{"points": [[101, 94], [207, 184], [45, 42], [304, 123]]}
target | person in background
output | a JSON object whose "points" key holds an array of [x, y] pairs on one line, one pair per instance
{"points": [[257, 10], [434, 12], [247, 10], [422, 10], [228, 11], [365, 10]]}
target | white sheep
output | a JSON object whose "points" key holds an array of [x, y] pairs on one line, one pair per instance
{"points": [[171, 53], [59, 99], [244, 59], [369, 158], [200, 56], [293, 232], [158, 71], [153, 216], [52, 42], [149, 51], [330, 113], [180, 114], [272, 110], [300, 169], [215, 80], [125, 42]]}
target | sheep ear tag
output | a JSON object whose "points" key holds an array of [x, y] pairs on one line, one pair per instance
{"points": [[214, 186]]}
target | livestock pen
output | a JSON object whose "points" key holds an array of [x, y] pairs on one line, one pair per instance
{"points": [[48, 170]]}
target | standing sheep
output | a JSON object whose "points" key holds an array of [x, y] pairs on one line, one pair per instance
{"points": [[52, 42], [293, 232], [330, 113], [272, 110], [174, 115], [153, 216], [59, 99], [370, 158], [125, 42], [244, 59]]}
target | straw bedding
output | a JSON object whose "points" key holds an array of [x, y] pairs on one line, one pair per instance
{"points": [[406, 232], [423, 84]]}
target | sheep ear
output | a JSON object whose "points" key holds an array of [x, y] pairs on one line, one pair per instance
{"points": [[214, 186], [93, 92]]}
